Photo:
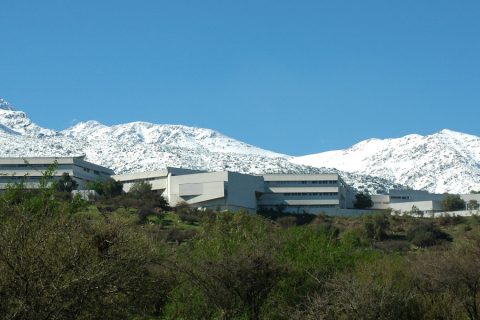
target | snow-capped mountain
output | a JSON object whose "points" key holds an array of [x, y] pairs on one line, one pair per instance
{"points": [[142, 146], [446, 161], [165, 135], [17, 122]]}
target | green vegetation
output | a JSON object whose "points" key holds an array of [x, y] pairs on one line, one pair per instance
{"points": [[109, 189], [130, 256], [473, 205], [452, 203], [376, 226], [426, 234], [66, 183], [363, 200]]}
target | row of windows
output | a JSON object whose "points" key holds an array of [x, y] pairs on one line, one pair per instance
{"points": [[304, 182], [10, 178], [95, 171], [289, 194], [300, 207], [28, 165], [400, 197], [45, 167], [140, 180]]}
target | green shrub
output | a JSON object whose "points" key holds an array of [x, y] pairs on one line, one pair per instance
{"points": [[287, 221], [189, 217], [453, 202], [179, 235], [426, 234], [450, 220]]}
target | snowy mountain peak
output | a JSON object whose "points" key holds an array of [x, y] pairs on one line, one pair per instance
{"points": [[13, 121], [4, 105], [447, 161], [177, 136], [83, 128], [450, 132]]}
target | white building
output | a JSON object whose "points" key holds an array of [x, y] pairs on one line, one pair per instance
{"points": [[402, 201], [158, 179], [30, 170], [305, 193], [224, 190]]}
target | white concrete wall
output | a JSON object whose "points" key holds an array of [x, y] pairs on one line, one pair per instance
{"points": [[381, 201], [211, 185], [424, 206], [242, 191], [215, 190]]}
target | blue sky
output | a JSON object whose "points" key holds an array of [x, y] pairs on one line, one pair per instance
{"points": [[296, 77]]}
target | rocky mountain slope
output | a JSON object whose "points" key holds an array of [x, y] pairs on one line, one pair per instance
{"points": [[142, 146], [446, 161]]}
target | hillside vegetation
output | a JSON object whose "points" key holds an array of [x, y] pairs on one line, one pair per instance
{"points": [[130, 256]]}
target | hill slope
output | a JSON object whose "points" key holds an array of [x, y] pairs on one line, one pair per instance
{"points": [[446, 161]]}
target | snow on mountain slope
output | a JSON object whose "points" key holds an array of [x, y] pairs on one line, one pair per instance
{"points": [[446, 161], [4, 105], [17, 121], [166, 135], [142, 146]]}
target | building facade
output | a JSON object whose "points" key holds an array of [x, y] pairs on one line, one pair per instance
{"points": [[221, 190], [30, 170], [225, 190], [305, 193]]}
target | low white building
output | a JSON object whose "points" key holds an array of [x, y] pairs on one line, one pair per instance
{"points": [[31, 169], [224, 190], [407, 201], [305, 193], [158, 179]]}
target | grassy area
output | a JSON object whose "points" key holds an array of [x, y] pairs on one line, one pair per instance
{"points": [[172, 220]]}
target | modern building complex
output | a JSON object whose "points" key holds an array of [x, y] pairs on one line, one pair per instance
{"points": [[222, 190], [30, 170], [225, 190]]}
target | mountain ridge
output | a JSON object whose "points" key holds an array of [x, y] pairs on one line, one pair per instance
{"points": [[445, 161], [141, 146]]}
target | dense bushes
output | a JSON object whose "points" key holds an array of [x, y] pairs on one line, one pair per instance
{"points": [[110, 188], [60, 258], [426, 234], [376, 226], [55, 264], [381, 289]]}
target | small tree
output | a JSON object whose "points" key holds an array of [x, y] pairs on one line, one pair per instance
{"points": [[66, 183], [452, 203], [109, 188], [141, 189], [363, 200], [415, 211], [473, 205]]}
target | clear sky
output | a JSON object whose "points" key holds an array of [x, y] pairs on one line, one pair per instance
{"points": [[296, 77]]}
